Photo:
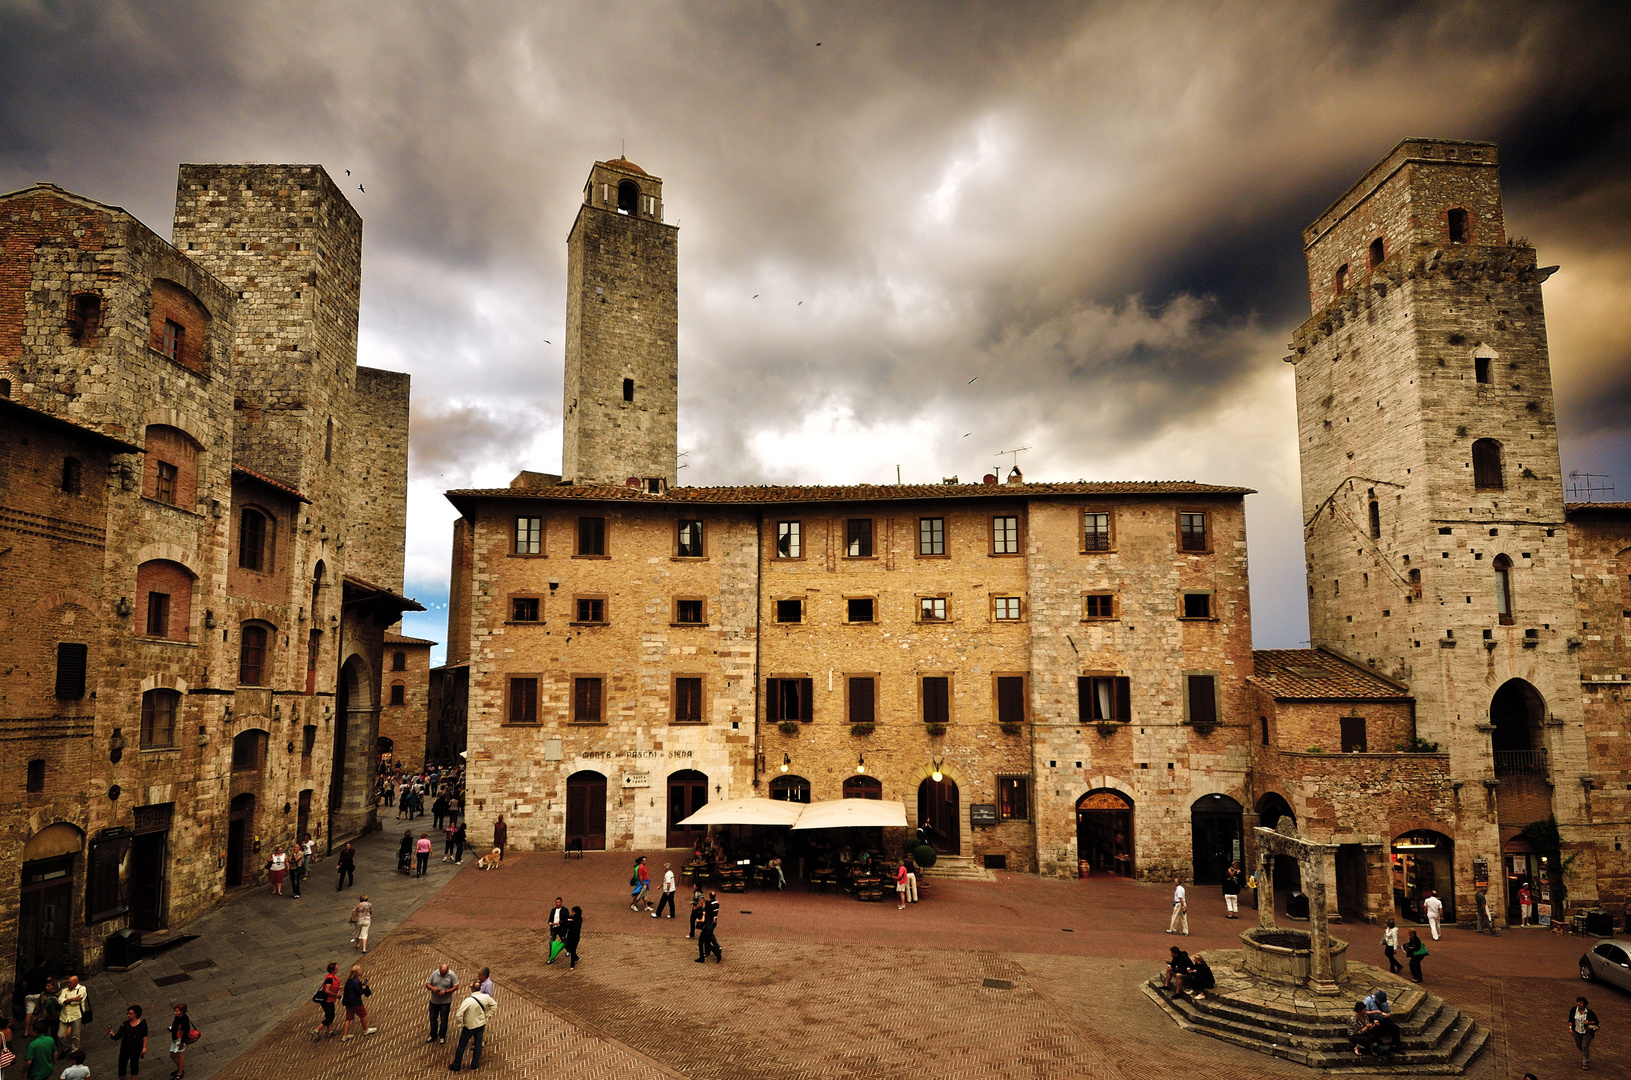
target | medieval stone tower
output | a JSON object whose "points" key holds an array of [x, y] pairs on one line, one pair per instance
{"points": [[622, 332], [1432, 500]]}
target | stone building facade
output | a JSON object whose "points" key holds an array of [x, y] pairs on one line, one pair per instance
{"points": [[404, 695], [194, 654]]}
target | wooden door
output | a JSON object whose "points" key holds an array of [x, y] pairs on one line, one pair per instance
{"points": [[147, 862], [586, 811], [938, 803], [687, 793]]}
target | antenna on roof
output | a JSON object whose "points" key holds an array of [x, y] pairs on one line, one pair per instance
{"points": [[1016, 452], [1583, 489]]}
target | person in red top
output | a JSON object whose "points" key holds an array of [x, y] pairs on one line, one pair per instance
{"points": [[329, 992], [642, 884], [900, 885]]}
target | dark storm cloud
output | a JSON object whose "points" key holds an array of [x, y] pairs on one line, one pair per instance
{"points": [[1092, 210]]}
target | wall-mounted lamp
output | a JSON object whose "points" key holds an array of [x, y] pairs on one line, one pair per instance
{"points": [[334, 620], [122, 607], [116, 745], [937, 776], [209, 619], [786, 762], [215, 508], [860, 763]]}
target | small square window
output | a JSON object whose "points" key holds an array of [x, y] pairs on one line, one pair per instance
{"points": [[690, 540], [688, 612], [591, 609], [789, 543], [1353, 734], [931, 608], [858, 538], [861, 609], [529, 535], [789, 611], [1006, 608], [524, 609], [591, 536], [1099, 606], [1192, 532], [1197, 605], [1096, 531], [1005, 536], [931, 536]]}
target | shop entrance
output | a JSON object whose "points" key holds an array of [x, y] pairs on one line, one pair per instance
{"points": [[1350, 867], [687, 793], [1215, 830], [240, 820], [1423, 863], [938, 805], [45, 910], [586, 811], [149, 853], [1104, 833]]}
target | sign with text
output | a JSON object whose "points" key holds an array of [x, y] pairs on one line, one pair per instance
{"points": [[981, 813], [636, 779]]}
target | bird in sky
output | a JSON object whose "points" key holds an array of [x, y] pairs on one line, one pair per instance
{"points": [[348, 172], [969, 433], [548, 342], [800, 303], [360, 188], [756, 296], [971, 381]]}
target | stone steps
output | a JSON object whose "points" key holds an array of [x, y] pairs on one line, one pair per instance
{"points": [[956, 868]]}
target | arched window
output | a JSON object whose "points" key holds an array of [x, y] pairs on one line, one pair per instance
{"points": [[248, 750], [253, 640], [1341, 282], [1503, 589], [179, 327], [790, 789], [863, 787], [628, 198], [1377, 251], [170, 467], [5, 388], [1415, 585], [1375, 518], [1486, 466], [257, 540], [164, 599], [1460, 233], [399, 661], [159, 718]]}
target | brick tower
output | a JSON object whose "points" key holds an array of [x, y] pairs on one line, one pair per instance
{"points": [[622, 332], [1432, 495]]}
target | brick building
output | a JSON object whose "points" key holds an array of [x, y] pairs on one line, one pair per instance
{"points": [[404, 696], [192, 626]]}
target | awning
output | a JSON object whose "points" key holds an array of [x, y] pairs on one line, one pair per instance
{"points": [[746, 812], [852, 813]]}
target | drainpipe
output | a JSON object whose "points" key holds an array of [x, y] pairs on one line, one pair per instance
{"points": [[758, 616]]}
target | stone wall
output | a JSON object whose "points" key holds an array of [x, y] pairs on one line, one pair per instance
{"points": [[377, 492], [406, 724]]}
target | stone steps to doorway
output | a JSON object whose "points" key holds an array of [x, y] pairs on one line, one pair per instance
{"points": [[1297, 1025], [956, 868]]}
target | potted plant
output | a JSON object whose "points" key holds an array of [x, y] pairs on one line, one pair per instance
{"points": [[1011, 728], [1106, 729], [861, 729], [788, 727], [937, 729]]}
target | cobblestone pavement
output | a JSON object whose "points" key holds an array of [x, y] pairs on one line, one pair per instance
{"points": [[817, 986], [255, 958]]}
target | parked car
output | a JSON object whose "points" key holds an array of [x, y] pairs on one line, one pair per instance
{"points": [[1607, 961]]}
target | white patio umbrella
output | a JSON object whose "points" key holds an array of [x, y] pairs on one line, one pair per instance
{"points": [[852, 813], [746, 812]]}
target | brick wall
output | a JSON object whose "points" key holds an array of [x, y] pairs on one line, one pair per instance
{"points": [[406, 724], [173, 580]]}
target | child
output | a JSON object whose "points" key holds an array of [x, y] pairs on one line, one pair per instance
{"points": [[77, 1070]]}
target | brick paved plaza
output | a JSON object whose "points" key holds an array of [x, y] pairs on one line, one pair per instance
{"points": [[812, 985]]}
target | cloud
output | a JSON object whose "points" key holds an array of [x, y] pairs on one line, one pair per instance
{"points": [[1095, 209]]}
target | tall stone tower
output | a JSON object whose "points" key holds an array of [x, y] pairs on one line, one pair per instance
{"points": [[1432, 500], [622, 332]]}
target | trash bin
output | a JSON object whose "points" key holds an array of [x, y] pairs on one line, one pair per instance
{"points": [[1297, 906], [122, 949], [1599, 924]]}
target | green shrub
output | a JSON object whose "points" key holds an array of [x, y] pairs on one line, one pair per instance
{"points": [[1416, 745], [923, 855], [861, 729], [788, 727]]}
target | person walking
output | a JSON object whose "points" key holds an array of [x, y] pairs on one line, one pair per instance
{"points": [[557, 925], [347, 866], [448, 832], [668, 892], [1233, 879], [441, 983], [1434, 907], [74, 1000], [297, 869], [326, 996], [438, 810], [422, 849], [574, 930], [363, 916], [458, 845], [33, 986], [1583, 1026], [708, 943], [472, 1029], [1414, 951], [404, 853], [1180, 910], [181, 1033], [1390, 946], [356, 988], [132, 1040], [698, 910], [41, 1056], [640, 880], [1526, 906], [501, 834], [278, 864]]}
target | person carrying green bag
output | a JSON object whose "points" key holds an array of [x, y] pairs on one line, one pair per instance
{"points": [[1415, 950]]}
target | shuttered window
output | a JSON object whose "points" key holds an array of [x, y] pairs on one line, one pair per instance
{"points": [[936, 699], [251, 655], [863, 700], [71, 669], [788, 699], [159, 718], [1103, 697], [1486, 466], [591, 536], [1203, 702], [1010, 699], [688, 700], [524, 701], [586, 701]]}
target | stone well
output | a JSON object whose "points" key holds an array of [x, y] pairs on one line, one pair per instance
{"points": [[1285, 956]]}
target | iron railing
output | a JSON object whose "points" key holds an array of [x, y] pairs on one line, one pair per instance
{"points": [[1520, 763]]}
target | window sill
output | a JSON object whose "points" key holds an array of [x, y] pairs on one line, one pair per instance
{"points": [[527, 555], [690, 558], [588, 623], [689, 625], [934, 622], [159, 749], [859, 558], [518, 724], [790, 558], [870, 622], [687, 723], [1005, 554], [526, 622], [575, 723], [1009, 622], [1197, 618], [1096, 551], [942, 555], [787, 624], [591, 556], [1101, 618], [146, 639]]}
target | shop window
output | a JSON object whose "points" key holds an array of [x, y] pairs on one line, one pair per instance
{"points": [[159, 718], [1200, 699], [1103, 697], [524, 609], [1487, 474], [863, 699], [399, 693], [529, 535], [524, 700], [36, 775], [71, 662], [858, 538], [689, 542], [587, 706], [688, 700], [1005, 535], [1353, 734], [789, 611], [252, 643], [936, 694], [1013, 798], [789, 540], [789, 699], [591, 536], [931, 536], [1192, 531]]}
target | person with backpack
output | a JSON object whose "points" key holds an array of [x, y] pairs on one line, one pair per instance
{"points": [[325, 997], [474, 1013], [640, 881], [182, 1035], [1414, 950]]}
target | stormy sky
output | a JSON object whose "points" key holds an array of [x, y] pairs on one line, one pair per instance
{"points": [[1091, 210]]}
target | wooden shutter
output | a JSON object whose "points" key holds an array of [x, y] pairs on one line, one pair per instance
{"points": [[71, 669], [935, 706], [1202, 699], [773, 699], [1124, 698], [1084, 699], [688, 700], [806, 693], [862, 701], [586, 701], [1010, 699]]}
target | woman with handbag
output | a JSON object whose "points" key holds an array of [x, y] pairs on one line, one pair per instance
{"points": [[181, 1035], [325, 997], [1415, 950], [356, 988], [363, 916], [278, 865]]}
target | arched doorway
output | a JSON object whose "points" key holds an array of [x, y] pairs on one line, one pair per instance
{"points": [[1215, 826], [1287, 871], [939, 805], [1518, 713], [790, 789], [384, 745], [687, 793], [240, 826], [1423, 862], [1104, 833], [356, 726], [45, 913], [586, 811]]}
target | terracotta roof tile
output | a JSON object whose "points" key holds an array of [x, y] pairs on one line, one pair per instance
{"points": [[398, 639], [1317, 674], [403, 603], [275, 485], [1597, 507], [777, 494]]}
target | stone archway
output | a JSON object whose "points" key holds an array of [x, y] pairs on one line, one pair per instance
{"points": [[356, 732]]}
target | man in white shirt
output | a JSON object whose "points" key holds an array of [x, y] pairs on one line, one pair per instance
{"points": [[1180, 911], [557, 925], [668, 892], [473, 1016], [1435, 911]]}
